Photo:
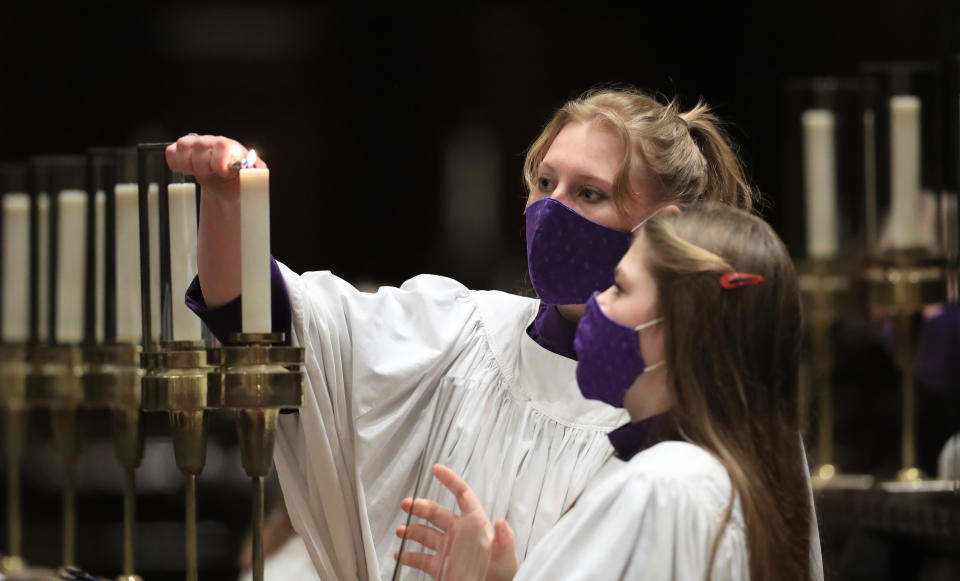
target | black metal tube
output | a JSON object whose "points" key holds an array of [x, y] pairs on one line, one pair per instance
{"points": [[34, 283], [166, 302], [143, 189], [110, 251], [90, 267]]}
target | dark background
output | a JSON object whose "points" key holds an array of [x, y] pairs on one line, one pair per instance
{"points": [[355, 106]]}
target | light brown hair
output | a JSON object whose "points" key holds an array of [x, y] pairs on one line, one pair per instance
{"points": [[688, 153], [732, 356]]}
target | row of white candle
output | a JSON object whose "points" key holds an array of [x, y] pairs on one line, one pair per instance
{"points": [[71, 263], [820, 177]]}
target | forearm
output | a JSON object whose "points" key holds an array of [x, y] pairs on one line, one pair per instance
{"points": [[218, 249]]}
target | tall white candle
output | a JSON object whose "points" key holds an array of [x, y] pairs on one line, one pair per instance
{"points": [[43, 267], [127, 252], [905, 171], [71, 261], [255, 250], [100, 265], [183, 257], [153, 204], [16, 267], [820, 182]]}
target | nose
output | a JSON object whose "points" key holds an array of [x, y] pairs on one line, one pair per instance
{"points": [[562, 195], [604, 297]]}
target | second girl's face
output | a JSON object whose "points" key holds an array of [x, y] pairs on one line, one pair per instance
{"points": [[579, 171]]}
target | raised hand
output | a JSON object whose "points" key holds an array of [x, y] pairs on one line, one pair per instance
{"points": [[210, 159], [463, 544]]}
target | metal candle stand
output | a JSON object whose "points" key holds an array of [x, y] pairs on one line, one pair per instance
{"points": [[13, 385], [902, 283], [258, 377], [825, 290], [113, 372]]}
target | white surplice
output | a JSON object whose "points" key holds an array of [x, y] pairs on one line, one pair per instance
{"points": [[654, 518], [512, 422]]}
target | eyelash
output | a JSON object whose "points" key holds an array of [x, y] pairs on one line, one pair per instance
{"points": [[544, 185]]}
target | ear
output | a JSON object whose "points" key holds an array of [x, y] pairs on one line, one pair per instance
{"points": [[670, 209]]}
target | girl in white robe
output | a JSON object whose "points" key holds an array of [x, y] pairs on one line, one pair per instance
{"points": [[432, 371], [698, 340]]}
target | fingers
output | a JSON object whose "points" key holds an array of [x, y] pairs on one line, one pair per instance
{"points": [[503, 535], [206, 155], [429, 537], [466, 499], [424, 562], [430, 511]]}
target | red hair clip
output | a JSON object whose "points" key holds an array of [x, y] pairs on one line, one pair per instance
{"points": [[733, 280]]}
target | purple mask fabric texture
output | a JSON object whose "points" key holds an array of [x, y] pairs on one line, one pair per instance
{"points": [[568, 256], [608, 355]]}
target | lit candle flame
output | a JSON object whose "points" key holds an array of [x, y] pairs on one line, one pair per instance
{"points": [[251, 159]]}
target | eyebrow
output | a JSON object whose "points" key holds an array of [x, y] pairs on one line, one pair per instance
{"points": [[586, 177]]}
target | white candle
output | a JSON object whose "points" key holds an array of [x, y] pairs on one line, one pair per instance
{"points": [[43, 266], [905, 171], [16, 267], [153, 204], [182, 200], [255, 250], [127, 252], [71, 261], [820, 182], [100, 272]]}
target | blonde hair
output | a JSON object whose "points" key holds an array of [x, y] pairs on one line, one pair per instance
{"points": [[732, 356], [688, 154]]}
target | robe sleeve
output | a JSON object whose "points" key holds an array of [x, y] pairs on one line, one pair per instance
{"points": [[226, 319], [362, 350], [640, 527]]}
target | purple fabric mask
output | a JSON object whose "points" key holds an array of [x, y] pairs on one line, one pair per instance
{"points": [[569, 256], [608, 355]]}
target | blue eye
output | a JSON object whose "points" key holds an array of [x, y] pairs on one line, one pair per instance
{"points": [[543, 184], [591, 195]]}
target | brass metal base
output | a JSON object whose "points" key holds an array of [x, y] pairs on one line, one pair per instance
{"points": [[911, 474]]}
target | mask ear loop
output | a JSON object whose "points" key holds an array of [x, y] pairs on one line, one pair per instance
{"points": [[645, 220], [643, 326]]}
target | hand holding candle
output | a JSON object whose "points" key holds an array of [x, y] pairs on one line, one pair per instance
{"points": [[212, 160]]}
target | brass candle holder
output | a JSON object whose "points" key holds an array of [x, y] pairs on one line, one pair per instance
{"points": [[901, 283], [826, 293], [113, 380], [54, 383], [176, 382], [13, 388], [259, 377]]}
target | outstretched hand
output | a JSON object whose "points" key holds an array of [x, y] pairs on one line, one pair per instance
{"points": [[209, 158], [465, 546]]}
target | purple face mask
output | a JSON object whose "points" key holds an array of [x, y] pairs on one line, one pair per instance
{"points": [[569, 256], [608, 355]]}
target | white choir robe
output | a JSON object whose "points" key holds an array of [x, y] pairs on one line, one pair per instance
{"points": [[514, 426], [654, 518], [290, 561]]}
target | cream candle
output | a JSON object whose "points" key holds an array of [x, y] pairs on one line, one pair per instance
{"points": [[255, 250], [100, 249], [127, 253], [16, 267], [905, 171], [182, 200], [71, 261], [43, 266], [820, 182]]}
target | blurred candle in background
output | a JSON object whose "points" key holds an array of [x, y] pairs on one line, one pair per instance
{"points": [[183, 257], [16, 267], [905, 171], [820, 182], [71, 261]]}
